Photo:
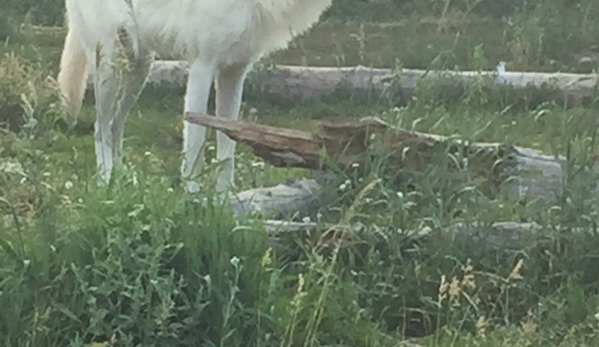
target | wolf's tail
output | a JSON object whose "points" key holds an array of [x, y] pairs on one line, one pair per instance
{"points": [[72, 78]]}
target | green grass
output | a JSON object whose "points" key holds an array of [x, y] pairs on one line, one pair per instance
{"points": [[137, 263]]}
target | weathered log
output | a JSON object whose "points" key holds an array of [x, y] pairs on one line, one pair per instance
{"points": [[522, 171], [505, 236], [298, 196], [285, 198], [301, 83]]}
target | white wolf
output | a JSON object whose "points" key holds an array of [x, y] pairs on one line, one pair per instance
{"points": [[221, 39]]}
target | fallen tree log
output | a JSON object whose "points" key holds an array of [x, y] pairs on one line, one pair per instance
{"points": [[302, 195], [299, 83], [525, 172], [504, 235], [281, 200], [521, 171]]}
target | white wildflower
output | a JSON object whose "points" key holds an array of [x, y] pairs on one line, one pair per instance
{"points": [[258, 164], [345, 184], [234, 261]]}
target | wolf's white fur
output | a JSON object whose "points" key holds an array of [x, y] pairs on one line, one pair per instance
{"points": [[220, 38]]}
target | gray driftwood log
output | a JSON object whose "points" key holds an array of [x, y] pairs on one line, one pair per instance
{"points": [[301, 83], [521, 171]]}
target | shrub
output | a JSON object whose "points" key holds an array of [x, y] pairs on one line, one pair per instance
{"points": [[27, 94]]}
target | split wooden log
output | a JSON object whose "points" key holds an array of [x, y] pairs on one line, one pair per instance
{"points": [[298, 83], [521, 171]]}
